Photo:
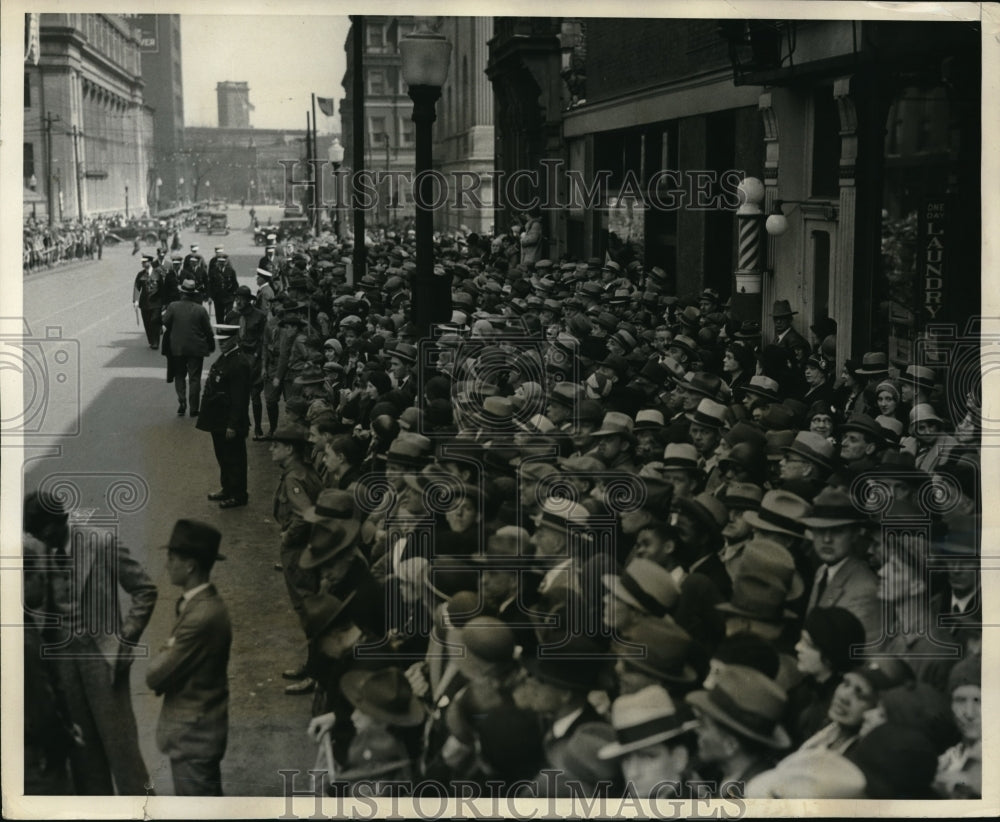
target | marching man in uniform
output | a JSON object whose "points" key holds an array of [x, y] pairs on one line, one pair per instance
{"points": [[191, 670], [147, 297], [222, 284]]}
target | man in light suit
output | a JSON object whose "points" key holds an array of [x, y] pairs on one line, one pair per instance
{"points": [[92, 645], [843, 580], [191, 670]]}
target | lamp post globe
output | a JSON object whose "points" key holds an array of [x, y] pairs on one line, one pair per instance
{"points": [[426, 56]]}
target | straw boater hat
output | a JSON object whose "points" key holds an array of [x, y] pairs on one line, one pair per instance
{"points": [[644, 718]]}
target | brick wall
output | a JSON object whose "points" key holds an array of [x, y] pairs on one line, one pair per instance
{"points": [[625, 55]]}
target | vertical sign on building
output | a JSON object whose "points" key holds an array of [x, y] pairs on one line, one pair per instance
{"points": [[148, 42], [931, 262]]}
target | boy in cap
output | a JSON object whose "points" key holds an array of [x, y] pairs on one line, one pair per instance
{"points": [[191, 670]]}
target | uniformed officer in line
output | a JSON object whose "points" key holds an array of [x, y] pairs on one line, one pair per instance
{"points": [[294, 353], [265, 290], [222, 284], [194, 268], [253, 330], [224, 413], [274, 334], [298, 487], [147, 295], [269, 261], [172, 280]]}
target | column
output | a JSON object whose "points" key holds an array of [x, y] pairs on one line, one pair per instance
{"points": [[769, 117], [842, 302]]}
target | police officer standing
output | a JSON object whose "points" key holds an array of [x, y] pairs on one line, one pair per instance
{"points": [[195, 269], [222, 284], [224, 414], [147, 296], [253, 327]]}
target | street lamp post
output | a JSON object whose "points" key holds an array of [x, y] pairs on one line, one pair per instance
{"points": [[336, 154], [126, 202], [425, 56]]}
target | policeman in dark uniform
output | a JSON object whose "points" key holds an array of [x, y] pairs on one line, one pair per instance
{"points": [[298, 487], [195, 269], [224, 414], [222, 284], [269, 262], [172, 280], [147, 295], [253, 327]]}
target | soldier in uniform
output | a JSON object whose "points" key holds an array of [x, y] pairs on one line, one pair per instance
{"points": [[222, 284], [274, 332], [269, 262], [224, 414], [147, 296], [294, 353], [253, 327], [298, 487], [265, 291]]}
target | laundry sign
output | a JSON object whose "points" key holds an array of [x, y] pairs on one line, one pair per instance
{"points": [[932, 257]]}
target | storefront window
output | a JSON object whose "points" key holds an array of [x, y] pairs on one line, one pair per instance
{"points": [[910, 288]]}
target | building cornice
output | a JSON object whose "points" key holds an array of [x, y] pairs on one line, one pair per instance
{"points": [[698, 94]]}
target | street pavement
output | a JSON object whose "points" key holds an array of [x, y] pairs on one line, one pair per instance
{"points": [[114, 426]]}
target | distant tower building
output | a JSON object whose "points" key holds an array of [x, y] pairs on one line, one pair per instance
{"points": [[234, 104], [160, 47]]}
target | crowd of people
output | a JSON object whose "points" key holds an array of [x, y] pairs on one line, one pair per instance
{"points": [[593, 537], [47, 245]]}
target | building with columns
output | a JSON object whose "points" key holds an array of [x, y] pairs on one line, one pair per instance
{"points": [[463, 133], [87, 130]]}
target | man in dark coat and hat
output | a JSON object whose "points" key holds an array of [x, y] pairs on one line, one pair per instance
{"points": [[224, 414], [187, 340], [191, 670]]}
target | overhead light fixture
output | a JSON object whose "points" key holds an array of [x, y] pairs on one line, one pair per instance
{"points": [[777, 223]]}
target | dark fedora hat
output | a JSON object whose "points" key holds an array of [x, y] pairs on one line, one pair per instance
{"points": [[747, 702], [384, 694], [191, 538], [665, 650], [873, 363], [832, 508], [320, 611], [782, 308], [575, 665]]}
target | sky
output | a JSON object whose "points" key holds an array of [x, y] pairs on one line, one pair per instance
{"points": [[283, 59]]}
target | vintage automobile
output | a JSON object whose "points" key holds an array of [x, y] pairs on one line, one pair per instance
{"points": [[293, 228], [217, 221], [260, 233], [201, 220]]}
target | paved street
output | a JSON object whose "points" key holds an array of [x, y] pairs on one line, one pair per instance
{"points": [[128, 426]]}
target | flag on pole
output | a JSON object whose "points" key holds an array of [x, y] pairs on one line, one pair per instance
{"points": [[325, 105]]}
